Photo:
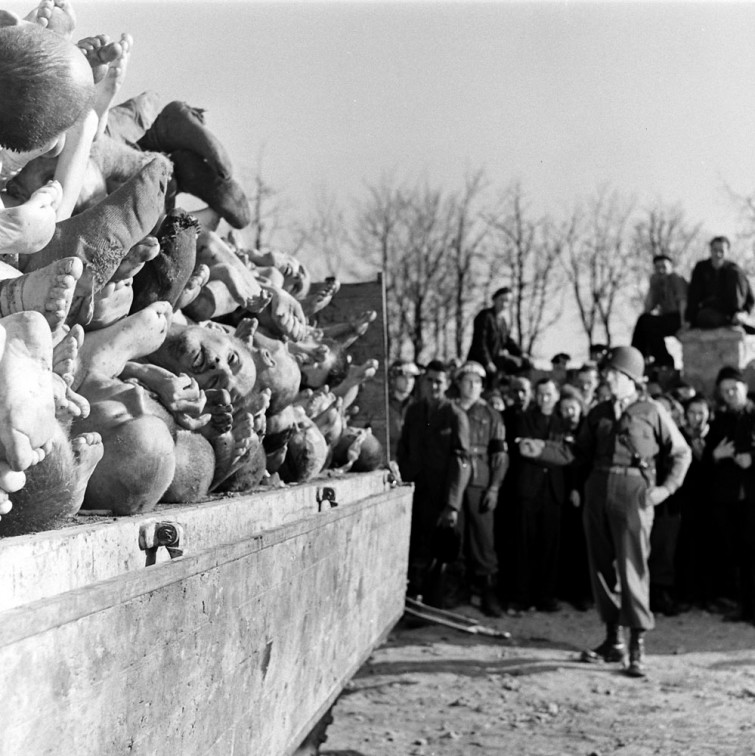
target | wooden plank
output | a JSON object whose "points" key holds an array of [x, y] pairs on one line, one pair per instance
{"points": [[351, 300], [44, 564], [232, 650]]}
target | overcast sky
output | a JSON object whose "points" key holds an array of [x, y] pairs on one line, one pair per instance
{"points": [[654, 99]]}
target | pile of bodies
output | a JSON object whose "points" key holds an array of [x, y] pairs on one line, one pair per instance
{"points": [[143, 356]]}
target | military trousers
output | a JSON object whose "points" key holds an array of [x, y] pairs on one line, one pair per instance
{"points": [[618, 522]]}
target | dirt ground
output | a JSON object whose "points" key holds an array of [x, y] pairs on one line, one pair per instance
{"points": [[433, 691]]}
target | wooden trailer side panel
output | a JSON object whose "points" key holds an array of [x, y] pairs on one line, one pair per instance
{"points": [[238, 649]]}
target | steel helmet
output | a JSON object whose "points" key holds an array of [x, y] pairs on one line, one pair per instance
{"points": [[627, 360]]}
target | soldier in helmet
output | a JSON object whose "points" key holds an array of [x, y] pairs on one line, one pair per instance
{"points": [[637, 459], [488, 458]]}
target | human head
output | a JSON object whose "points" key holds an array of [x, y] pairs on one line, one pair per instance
{"points": [[719, 246], [570, 406], [277, 370], [520, 391], [502, 298], [546, 395], [138, 463], [697, 413], [434, 381], [586, 381], [213, 357], [46, 85], [663, 265], [731, 387], [598, 353], [402, 375], [469, 379], [624, 371], [331, 369]]}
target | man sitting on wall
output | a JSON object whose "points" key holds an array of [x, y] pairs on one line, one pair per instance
{"points": [[719, 292]]}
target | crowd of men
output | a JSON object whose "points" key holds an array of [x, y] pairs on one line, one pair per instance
{"points": [[592, 486], [145, 357]]}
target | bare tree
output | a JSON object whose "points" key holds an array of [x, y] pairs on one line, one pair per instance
{"points": [[662, 230], [529, 248], [598, 260]]}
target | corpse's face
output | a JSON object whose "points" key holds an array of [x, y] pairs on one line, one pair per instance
{"points": [[214, 358]]}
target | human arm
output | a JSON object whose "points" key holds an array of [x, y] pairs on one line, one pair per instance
{"points": [[72, 162], [499, 463], [678, 454], [179, 394]]}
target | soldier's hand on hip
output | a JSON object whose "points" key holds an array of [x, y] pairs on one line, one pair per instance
{"points": [[448, 518], [489, 501], [656, 495], [743, 460]]}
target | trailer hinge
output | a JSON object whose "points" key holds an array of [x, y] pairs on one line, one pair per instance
{"points": [[153, 534], [326, 494]]}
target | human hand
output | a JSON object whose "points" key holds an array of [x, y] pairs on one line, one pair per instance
{"points": [[724, 450], [656, 495], [448, 518], [531, 447], [743, 460], [489, 500], [574, 498]]}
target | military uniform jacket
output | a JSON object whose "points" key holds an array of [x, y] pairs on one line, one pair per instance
{"points": [[487, 438], [643, 436], [433, 451]]}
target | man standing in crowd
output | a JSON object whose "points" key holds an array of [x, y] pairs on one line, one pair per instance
{"points": [[401, 377], [665, 304], [719, 293], [539, 497], [488, 460], [433, 453], [492, 345], [728, 454], [560, 368], [627, 442], [586, 382]]}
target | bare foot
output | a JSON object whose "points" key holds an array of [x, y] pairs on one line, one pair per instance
{"points": [[65, 354], [48, 291], [320, 296], [231, 448], [27, 403], [194, 285], [111, 304], [28, 227], [108, 350], [55, 15], [87, 452], [347, 333], [109, 61], [10, 482], [68, 404], [136, 258]]}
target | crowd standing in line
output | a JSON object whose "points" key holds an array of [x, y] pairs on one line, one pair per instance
{"points": [[624, 488], [145, 357]]}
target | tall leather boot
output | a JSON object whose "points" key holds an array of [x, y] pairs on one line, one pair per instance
{"points": [[636, 666], [488, 599], [612, 649]]}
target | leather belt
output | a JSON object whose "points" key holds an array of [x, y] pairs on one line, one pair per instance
{"points": [[619, 470]]}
